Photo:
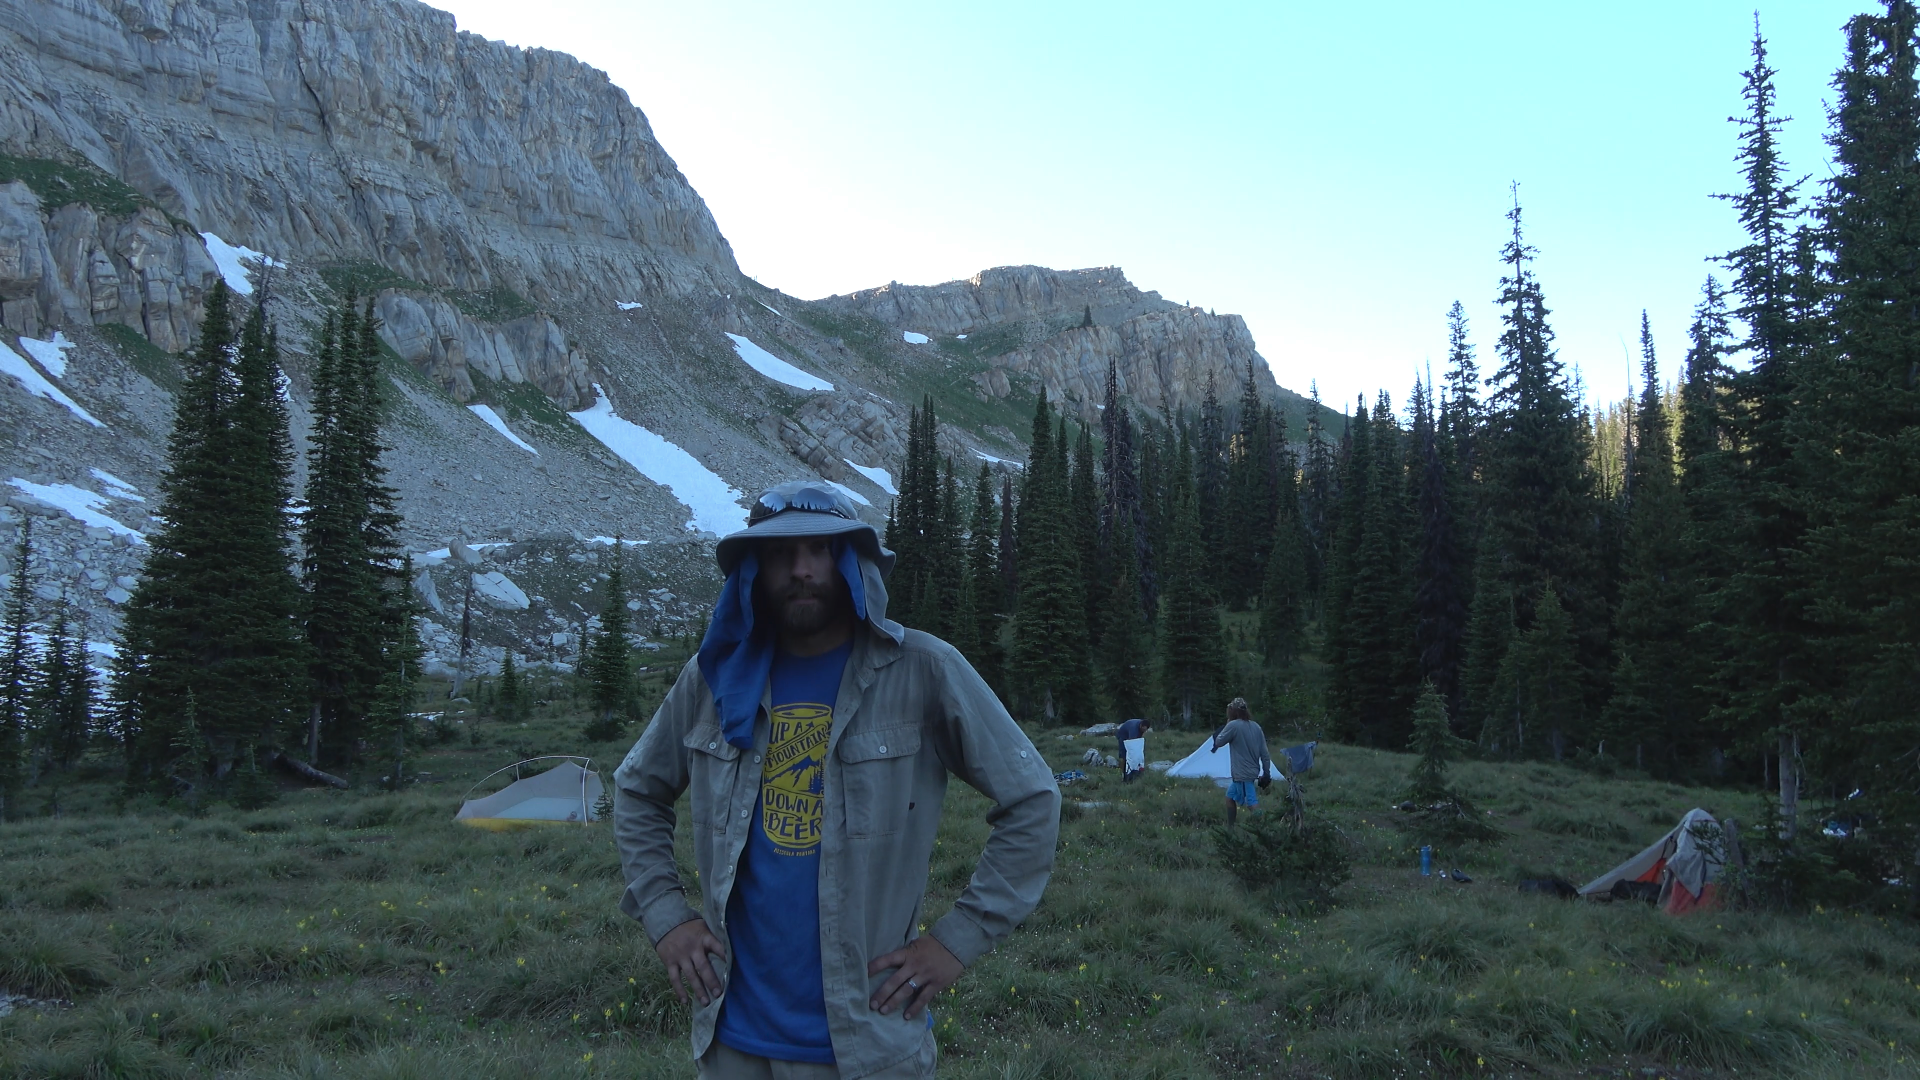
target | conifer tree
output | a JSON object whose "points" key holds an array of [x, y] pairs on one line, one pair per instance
{"points": [[1126, 647], [1209, 449], [61, 706], [1861, 432], [1083, 521], [508, 689], [1285, 591], [1346, 518], [213, 654], [1440, 590], [1651, 703], [1191, 652], [1048, 668], [609, 661], [1538, 693], [16, 676], [1121, 481], [950, 616], [1766, 663], [1537, 497], [1007, 550], [1378, 668], [1435, 744], [1249, 511], [1319, 486], [980, 640]]}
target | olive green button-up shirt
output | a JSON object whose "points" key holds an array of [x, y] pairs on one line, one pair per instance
{"points": [[909, 714]]}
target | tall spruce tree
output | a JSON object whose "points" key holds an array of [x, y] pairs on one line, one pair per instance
{"points": [[1120, 484], [1209, 449], [63, 698], [1378, 669], [1652, 705], [609, 661], [1346, 519], [981, 640], [1286, 598], [213, 654], [1537, 496], [1083, 521], [1860, 439], [1192, 655], [1766, 664], [1249, 511], [1048, 668], [1440, 578], [16, 673], [1125, 657], [1538, 693]]}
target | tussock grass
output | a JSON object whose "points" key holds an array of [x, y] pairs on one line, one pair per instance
{"points": [[364, 934]]}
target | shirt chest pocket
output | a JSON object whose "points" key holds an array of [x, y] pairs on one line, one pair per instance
{"points": [[876, 778], [711, 766]]}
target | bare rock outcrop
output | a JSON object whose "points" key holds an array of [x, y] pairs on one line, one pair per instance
{"points": [[1163, 360], [430, 332], [78, 265], [1004, 294], [363, 131]]}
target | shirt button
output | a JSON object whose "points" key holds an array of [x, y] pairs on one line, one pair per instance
{"points": [[756, 759], [1023, 753], [743, 813], [711, 745], [883, 749]]}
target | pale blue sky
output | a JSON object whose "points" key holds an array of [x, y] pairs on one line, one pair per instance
{"points": [[1337, 173]]}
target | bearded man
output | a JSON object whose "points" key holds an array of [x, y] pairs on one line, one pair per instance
{"points": [[813, 738]]}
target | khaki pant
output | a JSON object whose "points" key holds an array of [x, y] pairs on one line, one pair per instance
{"points": [[723, 1062]]}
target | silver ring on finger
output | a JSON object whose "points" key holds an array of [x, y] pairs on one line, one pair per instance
{"points": [[913, 984]]}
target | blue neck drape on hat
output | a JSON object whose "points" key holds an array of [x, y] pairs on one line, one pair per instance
{"points": [[735, 658]]}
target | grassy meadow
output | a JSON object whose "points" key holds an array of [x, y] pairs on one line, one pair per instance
{"points": [[364, 934]]}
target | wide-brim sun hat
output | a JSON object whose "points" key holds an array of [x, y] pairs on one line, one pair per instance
{"points": [[802, 508]]}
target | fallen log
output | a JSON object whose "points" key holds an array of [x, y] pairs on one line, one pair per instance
{"points": [[301, 768]]}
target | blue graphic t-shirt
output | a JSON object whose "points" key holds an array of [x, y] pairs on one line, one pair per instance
{"points": [[776, 1004]]}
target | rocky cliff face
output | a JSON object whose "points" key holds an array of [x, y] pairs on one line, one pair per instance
{"points": [[1164, 353], [375, 131]]}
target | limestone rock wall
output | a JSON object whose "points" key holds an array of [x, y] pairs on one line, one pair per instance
{"points": [[1003, 294], [445, 342], [1163, 360], [363, 131], [76, 265]]}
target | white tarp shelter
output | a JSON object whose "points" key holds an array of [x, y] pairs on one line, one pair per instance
{"points": [[564, 794], [1206, 763], [1685, 867]]}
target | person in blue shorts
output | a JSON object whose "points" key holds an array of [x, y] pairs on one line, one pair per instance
{"points": [[1250, 763]]}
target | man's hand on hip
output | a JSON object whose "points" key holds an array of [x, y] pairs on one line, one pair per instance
{"points": [[925, 968], [684, 950]]}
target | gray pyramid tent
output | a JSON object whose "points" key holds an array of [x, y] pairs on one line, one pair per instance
{"points": [[564, 794]]}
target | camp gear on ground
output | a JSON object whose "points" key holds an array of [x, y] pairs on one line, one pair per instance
{"points": [[1460, 877], [1684, 865], [1069, 776], [910, 711], [802, 508], [1557, 887], [735, 660], [1299, 758], [565, 793], [1134, 756], [1207, 762], [1091, 757]]}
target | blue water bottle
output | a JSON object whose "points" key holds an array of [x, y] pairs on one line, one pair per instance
{"points": [[1426, 861]]}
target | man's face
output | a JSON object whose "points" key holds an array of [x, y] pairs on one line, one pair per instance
{"points": [[799, 584]]}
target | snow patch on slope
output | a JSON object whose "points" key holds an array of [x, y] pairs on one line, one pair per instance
{"points": [[849, 493], [714, 502], [16, 365], [486, 413], [912, 338], [775, 368], [51, 354], [231, 260], [880, 477], [116, 487], [78, 503]]}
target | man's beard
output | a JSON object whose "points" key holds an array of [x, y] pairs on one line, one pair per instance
{"points": [[808, 609]]}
